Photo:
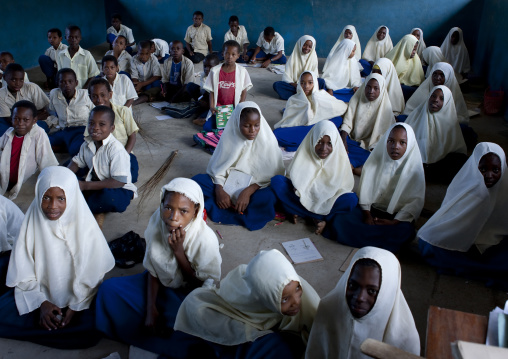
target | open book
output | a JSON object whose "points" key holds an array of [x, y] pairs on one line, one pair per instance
{"points": [[302, 251], [235, 183]]}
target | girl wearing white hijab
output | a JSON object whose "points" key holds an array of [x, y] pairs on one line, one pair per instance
{"points": [[303, 58], [467, 235], [355, 310], [385, 67], [455, 50], [441, 74], [249, 146], [431, 56], [418, 33], [378, 46], [57, 264], [391, 195], [182, 253], [257, 311], [320, 181], [11, 218], [407, 62], [348, 32], [341, 73]]}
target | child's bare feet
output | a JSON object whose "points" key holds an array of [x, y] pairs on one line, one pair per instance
{"points": [[320, 226], [199, 121], [294, 219], [358, 171]]}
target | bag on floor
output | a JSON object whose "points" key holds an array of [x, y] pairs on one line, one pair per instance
{"points": [[208, 140], [128, 250], [181, 110]]}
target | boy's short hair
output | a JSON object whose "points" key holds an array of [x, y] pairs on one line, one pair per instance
{"points": [[54, 29], [232, 43], [212, 58], [198, 13], [72, 28], [233, 18], [104, 109], [147, 44], [25, 104], [176, 42], [7, 53], [123, 37], [269, 31], [12, 68], [116, 16], [109, 58], [99, 81], [65, 70]]}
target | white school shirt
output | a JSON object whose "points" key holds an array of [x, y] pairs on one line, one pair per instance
{"points": [[82, 63], [124, 60], [144, 71], [11, 218], [124, 31], [75, 113], [29, 91], [36, 154], [111, 160], [4, 83], [273, 47], [241, 38], [198, 37], [52, 53], [123, 90], [186, 71], [161, 47]]}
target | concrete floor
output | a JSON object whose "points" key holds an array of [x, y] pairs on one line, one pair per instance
{"points": [[421, 285]]}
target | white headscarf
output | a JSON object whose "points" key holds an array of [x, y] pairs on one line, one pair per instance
{"points": [[394, 186], [337, 334], [392, 85], [421, 43], [319, 182], [457, 55], [438, 133], [366, 121], [298, 62], [409, 69], [11, 218], [471, 213], [340, 71], [432, 55], [62, 261], [261, 158], [356, 39], [423, 92], [375, 48], [200, 244], [305, 111], [248, 303]]}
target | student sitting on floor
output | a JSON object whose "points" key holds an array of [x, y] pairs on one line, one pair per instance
{"points": [[303, 58], [467, 235], [48, 60], [124, 93], [341, 73], [122, 56], [146, 74], [262, 310], [431, 56], [407, 62], [319, 182], [238, 33], [348, 32], [70, 109], [116, 29], [177, 72], [366, 303], [227, 83], [16, 90], [77, 58], [418, 33], [197, 92], [247, 145], [441, 74], [125, 127], [11, 219], [378, 46], [391, 195], [438, 134], [385, 67], [6, 58], [160, 49], [455, 51], [198, 39], [24, 149], [107, 186], [56, 266], [269, 49], [182, 254]]}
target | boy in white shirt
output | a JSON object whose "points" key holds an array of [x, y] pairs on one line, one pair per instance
{"points": [[177, 71], [124, 93], [123, 57], [77, 58], [270, 48], [238, 33], [198, 39], [117, 29], [160, 49], [48, 60], [146, 74], [6, 58]]}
